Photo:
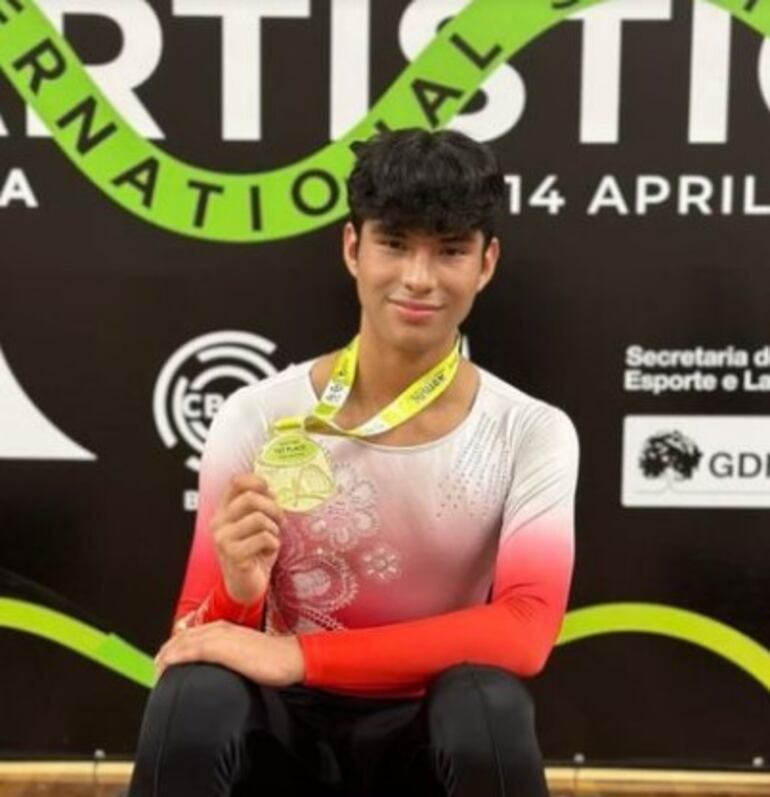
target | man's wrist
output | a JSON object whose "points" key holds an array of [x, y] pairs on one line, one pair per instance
{"points": [[235, 596], [222, 606], [236, 599]]}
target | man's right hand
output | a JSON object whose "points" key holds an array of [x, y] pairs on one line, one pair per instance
{"points": [[246, 527]]}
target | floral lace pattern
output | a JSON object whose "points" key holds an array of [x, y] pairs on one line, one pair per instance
{"points": [[381, 563], [324, 552], [350, 515]]}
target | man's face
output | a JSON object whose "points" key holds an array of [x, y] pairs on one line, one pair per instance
{"points": [[416, 288]]}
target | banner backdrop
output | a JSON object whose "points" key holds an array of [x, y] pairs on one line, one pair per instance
{"points": [[179, 235]]}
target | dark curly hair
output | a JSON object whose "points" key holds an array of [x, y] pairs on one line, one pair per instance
{"points": [[435, 182]]}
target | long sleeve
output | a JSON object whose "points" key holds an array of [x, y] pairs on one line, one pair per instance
{"points": [[532, 576], [233, 437]]}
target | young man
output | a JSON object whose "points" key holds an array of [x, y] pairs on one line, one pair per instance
{"points": [[371, 637]]}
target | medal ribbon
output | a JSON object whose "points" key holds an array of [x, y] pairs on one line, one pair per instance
{"points": [[415, 398]]}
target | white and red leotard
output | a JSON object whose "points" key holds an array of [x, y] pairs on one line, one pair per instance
{"points": [[459, 549]]}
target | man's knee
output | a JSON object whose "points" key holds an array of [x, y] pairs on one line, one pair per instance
{"points": [[482, 732], [202, 705], [480, 694]]}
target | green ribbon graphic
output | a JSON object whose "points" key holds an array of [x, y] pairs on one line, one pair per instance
{"points": [[293, 199], [668, 621], [106, 649], [612, 618]]}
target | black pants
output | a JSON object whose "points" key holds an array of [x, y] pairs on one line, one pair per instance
{"points": [[209, 732]]}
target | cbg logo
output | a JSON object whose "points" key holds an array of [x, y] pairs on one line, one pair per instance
{"points": [[729, 466], [196, 380]]}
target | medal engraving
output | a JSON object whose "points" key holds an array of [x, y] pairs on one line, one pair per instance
{"points": [[297, 471]]}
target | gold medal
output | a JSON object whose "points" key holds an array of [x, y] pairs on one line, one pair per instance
{"points": [[296, 468]]}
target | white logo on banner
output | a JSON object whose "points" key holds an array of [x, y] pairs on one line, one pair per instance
{"points": [[696, 460], [196, 380], [25, 433]]}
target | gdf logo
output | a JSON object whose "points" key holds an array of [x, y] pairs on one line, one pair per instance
{"points": [[196, 380], [728, 466]]}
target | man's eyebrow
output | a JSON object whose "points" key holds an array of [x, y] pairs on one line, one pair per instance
{"points": [[458, 237], [393, 231], [379, 228]]}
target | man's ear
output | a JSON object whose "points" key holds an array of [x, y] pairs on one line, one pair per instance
{"points": [[489, 260], [350, 248]]}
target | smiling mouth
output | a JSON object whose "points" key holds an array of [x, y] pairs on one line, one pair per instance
{"points": [[414, 312], [416, 306]]}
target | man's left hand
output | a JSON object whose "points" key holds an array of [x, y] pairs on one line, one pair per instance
{"points": [[264, 658]]}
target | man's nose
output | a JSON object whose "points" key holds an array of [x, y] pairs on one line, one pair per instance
{"points": [[418, 274]]}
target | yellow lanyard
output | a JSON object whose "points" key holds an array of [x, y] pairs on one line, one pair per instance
{"points": [[415, 398]]}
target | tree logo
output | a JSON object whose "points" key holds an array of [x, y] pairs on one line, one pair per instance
{"points": [[669, 451]]}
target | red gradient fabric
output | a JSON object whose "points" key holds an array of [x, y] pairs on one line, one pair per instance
{"points": [[457, 550]]}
